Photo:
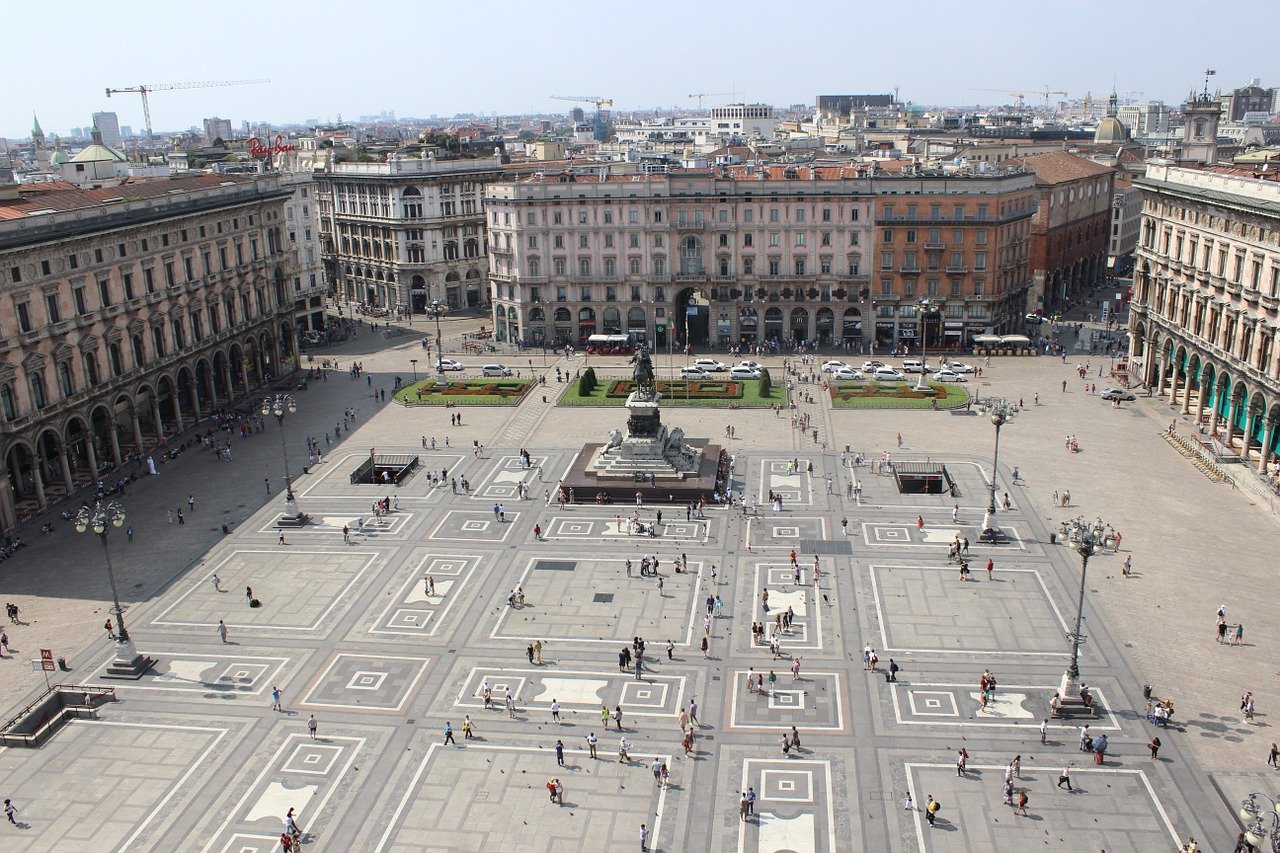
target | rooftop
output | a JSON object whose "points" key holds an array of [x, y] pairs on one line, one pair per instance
{"points": [[1060, 166], [58, 196]]}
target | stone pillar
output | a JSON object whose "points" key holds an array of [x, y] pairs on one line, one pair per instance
{"points": [[177, 409], [8, 511], [1186, 395], [226, 381], [155, 415], [115, 441], [65, 464], [38, 479], [93, 458], [1213, 412], [1160, 374], [137, 430], [1232, 407], [1269, 441]]}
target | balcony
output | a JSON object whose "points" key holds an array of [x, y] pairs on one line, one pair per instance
{"points": [[934, 247], [960, 270], [910, 270]]}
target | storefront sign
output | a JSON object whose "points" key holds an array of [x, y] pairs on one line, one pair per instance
{"points": [[277, 146]]}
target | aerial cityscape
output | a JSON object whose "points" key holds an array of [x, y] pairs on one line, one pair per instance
{"points": [[927, 413]]}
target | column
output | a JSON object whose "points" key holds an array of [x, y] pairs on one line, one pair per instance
{"points": [[115, 441], [137, 430], [1246, 437], [93, 459], [1186, 393], [8, 512], [1269, 441], [195, 401], [177, 409], [65, 464], [226, 381], [1160, 372], [1232, 408], [1213, 411], [38, 479], [155, 415]]}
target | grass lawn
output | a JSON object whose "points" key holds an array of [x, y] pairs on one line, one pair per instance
{"points": [[477, 392], [895, 395], [750, 398]]}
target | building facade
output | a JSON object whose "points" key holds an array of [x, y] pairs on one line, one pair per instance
{"points": [[1071, 230], [1205, 314], [217, 128], [1126, 224], [130, 313], [751, 256], [400, 234], [108, 125], [302, 230], [1144, 120]]}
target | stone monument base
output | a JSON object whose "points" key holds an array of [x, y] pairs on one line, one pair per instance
{"points": [[620, 486]]}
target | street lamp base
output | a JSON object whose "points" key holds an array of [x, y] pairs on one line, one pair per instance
{"points": [[129, 663], [1070, 687], [291, 512]]}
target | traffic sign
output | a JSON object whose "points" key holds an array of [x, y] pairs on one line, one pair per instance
{"points": [[46, 660]]}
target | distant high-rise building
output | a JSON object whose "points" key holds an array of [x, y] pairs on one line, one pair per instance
{"points": [[108, 125], [217, 128], [126, 131], [77, 132], [1145, 119], [577, 115], [1248, 99]]}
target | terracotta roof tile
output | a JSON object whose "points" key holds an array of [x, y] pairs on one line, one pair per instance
{"points": [[62, 196], [1059, 167]]}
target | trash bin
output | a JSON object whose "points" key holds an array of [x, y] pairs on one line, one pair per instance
{"points": [[62, 665], [1146, 691], [225, 528], [1053, 537]]}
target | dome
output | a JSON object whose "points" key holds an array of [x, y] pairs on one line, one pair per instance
{"points": [[98, 152], [1111, 130], [59, 157]]}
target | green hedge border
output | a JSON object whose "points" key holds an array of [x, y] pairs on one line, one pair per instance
{"points": [[750, 398], [408, 394], [953, 396]]}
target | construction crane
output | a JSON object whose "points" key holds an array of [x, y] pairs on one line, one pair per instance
{"points": [[1021, 94], [1021, 97], [161, 87], [600, 103], [701, 95]]}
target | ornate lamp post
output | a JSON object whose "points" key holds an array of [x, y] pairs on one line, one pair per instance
{"points": [[436, 310], [1256, 831], [279, 406], [925, 306], [1001, 412], [414, 362], [100, 519], [1091, 540]]}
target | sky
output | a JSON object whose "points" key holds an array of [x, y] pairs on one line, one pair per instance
{"points": [[327, 59]]}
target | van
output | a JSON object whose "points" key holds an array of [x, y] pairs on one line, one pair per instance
{"points": [[495, 370], [912, 365]]}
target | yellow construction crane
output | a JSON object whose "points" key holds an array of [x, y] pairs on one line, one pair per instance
{"points": [[1021, 94], [161, 87], [600, 103], [701, 95], [1021, 97]]}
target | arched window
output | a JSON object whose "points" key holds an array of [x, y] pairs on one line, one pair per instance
{"points": [[66, 382], [9, 402], [451, 250]]}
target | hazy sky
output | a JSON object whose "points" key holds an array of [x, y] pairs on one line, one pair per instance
{"points": [[326, 59]]}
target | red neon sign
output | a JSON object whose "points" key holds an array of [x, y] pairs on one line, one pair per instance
{"points": [[277, 146]]}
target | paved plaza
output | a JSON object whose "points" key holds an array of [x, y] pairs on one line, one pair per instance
{"points": [[410, 626]]}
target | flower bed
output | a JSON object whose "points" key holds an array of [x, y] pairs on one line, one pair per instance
{"points": [[895, 395], [700, 389], [480, 392]]}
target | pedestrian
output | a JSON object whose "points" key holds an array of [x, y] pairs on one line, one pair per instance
{"points": [[1064, 778], [555, 710], [217, 583], [693, 713], [1022, 803], [795, 669], [129, 532], [10, 811], [222, 630], [181, 520], [991, 564], [111, 631], [706, 648], [1273, 757], [920, 522], [644, 839], [624, 747], [312, 725], [560, 753], [448, 734], [1154, 746], [281, 540], [1044, 731], [617, 716], [671, 648], [266, 481], [275, 699], [592, 740], [892, 673], [931, 809]]}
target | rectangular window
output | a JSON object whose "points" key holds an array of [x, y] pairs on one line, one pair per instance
{"points": [[633, 266], [73, 261], [748, 214], [190, 269], [911, 235], [582, 241], [799, 214], [980, 260], [44, 268], [608, 241], [584, 266], [748, 265], [774, 215], [748, 240], [104, 293], [981, 237], [886, 260], [799, 266], [558, 241], [826, 238], [825, 265], [657, 216], [886, 287], [826, 214], [723, 214], [127, 280], [82, 305], [51, 307], [635, 291], [775, 266], [800, 238], [24, 317], [775, 239], [888, 235], [659, 294], [633, 216], [168, 273], [633, 241], [533, 241], [982, 211]]}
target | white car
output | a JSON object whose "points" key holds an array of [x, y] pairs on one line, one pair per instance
{"points": [[832, 366], [753, 365], [710, 365], [847, 373], [744, 372], [449, 364], [495, 370], [872, 366], [694, 373], [948, 376], [957, 366], [888, 374]]}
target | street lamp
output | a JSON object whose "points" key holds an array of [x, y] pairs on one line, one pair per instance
{"points": [[1255, 828], [279, 406], [414, 362], [1001, 412], [1091, 539], [437, 311], [925, 306], [100, 519]]}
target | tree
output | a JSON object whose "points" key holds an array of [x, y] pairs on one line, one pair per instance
{"points": [[525, 136], [219, 143], [766, 383], [587, 382]]}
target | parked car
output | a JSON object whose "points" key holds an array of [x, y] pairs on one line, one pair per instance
{"points": [[496, 370], [873, 366], [832, 366], [754, 365], [449, 364], [914, 365], [887, 374], [744, 372], [847, 374], [945, 375], [1118, 394], [1035, 319], [694, 373], [710, 365], [958, 366]]}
